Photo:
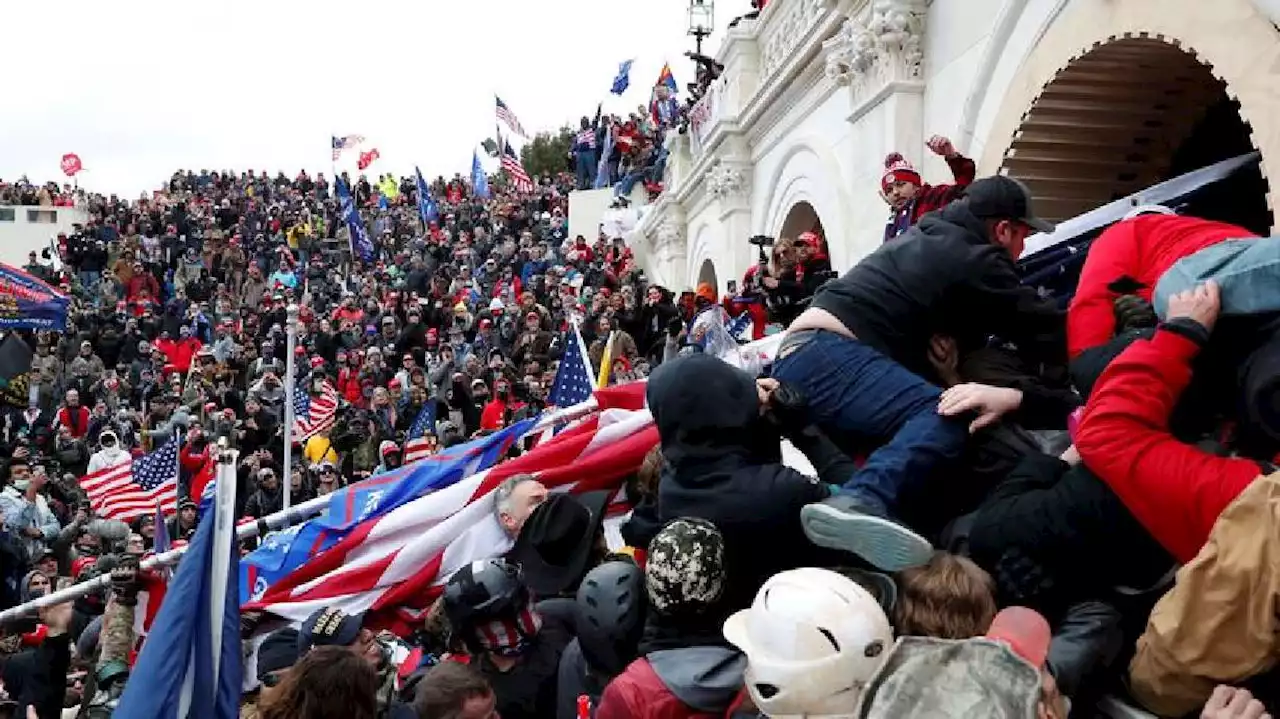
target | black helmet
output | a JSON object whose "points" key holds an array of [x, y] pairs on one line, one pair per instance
{"points": [[481, 591], [610, 617]]}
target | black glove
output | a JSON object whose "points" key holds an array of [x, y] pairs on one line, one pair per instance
{"points": [[1133, 313], [124, 581], [788, 409]]}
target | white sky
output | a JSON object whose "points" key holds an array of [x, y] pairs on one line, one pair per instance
{"points": [[140, 88]]}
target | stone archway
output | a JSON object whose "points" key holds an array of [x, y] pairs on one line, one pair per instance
{"points": [[1125, 115], [1231, 39], [801, 218], [707, 273]]}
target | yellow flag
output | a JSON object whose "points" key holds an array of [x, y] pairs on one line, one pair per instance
{"points": [[606, 363]]}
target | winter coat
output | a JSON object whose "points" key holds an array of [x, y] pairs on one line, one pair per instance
{"points": [[723, 463], [1175, 490], [698, 682], [944, 275], [107, 457], [1218, 624], [932, 197], [1141, 249]]}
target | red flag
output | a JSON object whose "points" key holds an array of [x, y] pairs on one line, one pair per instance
{"points": [[367, 158], [71, 164]]}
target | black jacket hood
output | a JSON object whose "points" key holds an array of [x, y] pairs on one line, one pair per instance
{"points": [[705, 409]]}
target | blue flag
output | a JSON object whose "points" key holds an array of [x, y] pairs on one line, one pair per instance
{"points": [[623, 80], [284, 551], [427, 209], [479, 182], [361, 245], [32, 304], [190, 665]]}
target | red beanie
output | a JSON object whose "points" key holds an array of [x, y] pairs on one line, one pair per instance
{"points": [[897, 169]]}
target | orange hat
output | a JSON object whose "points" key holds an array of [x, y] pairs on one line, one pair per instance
{"points": [[706, 291]]}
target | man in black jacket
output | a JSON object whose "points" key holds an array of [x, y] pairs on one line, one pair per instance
{"points": [[860, 351], [723, 463]]}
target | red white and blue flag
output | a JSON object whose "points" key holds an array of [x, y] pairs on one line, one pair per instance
{"points": [[345, 143], [313, 415], [519, 178], [396, 563], [136, 487], [509, 118]]}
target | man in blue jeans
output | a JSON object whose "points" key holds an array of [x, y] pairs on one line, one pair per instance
{"points": [[860, 352]]}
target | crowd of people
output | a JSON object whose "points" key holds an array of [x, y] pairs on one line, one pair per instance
{"points": [[1016, 508]]}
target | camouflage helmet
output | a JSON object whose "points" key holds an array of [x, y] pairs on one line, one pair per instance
{"points": [[685, 572]]}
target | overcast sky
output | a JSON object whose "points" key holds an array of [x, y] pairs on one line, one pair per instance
{"points": [[139, 88]]}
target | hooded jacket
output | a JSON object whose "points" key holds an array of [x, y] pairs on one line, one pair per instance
{"points": [[723, 463], [684, 683]]}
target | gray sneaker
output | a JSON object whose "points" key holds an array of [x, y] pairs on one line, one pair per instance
{"points": [[846, 522]]}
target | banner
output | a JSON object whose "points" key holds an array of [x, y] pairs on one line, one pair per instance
{"points": [[27, 303]]}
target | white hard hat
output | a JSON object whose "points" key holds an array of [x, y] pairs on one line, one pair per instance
{"points": [[813, 639]]}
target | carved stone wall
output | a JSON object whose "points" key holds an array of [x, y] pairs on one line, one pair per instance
{"points": [[786, 32], [726, 180], [881, 43]]}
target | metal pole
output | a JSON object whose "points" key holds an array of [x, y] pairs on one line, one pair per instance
{"points": [[226, 476], [284, 518], [289, 378]]}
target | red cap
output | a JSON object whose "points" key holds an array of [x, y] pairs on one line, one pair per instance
{"points": [[317, 361], [533, 316], [300, 350], [80, 565], [1025, 631]]}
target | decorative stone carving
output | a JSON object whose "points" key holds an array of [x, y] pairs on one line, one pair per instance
{"points": [[880, 44], [725, 180], [785, 33], [670, 232]]}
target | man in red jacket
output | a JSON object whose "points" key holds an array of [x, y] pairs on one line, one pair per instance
{"points": [[1174, 489], [1128, 258]]}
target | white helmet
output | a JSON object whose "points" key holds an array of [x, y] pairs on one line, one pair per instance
{"points": [[813, 640]]}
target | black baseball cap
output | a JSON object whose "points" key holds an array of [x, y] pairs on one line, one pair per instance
{"points": [[1002, 197]]}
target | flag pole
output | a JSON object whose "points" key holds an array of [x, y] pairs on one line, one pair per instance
{"points": [[226, 483], [284, 518], [289, 380]]}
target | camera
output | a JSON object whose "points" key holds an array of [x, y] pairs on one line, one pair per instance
{"points": [[761, 241]]}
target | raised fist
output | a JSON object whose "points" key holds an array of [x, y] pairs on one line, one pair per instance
{"points": [[940, 145]]}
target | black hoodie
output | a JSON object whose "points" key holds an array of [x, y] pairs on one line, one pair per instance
{"points": [[723, 463]]}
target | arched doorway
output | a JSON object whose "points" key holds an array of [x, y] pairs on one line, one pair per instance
{"points": [[707, 273], [1125, 115], [801, 218]]}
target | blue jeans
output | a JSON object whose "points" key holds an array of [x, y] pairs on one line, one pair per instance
{"points": [[853, 388]]}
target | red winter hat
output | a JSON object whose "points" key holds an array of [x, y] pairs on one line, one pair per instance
{"points": [[897, 169]]}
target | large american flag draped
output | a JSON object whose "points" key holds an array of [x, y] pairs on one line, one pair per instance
{"points": [[509, 118], [519, 178], [395, 564], [416, 446], [345, 143], [313, 415], [136, 487]]}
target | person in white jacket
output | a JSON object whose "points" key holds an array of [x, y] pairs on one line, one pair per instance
{"points": [[24, 511], [110, 455]]}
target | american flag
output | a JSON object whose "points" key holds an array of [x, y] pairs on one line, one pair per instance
{"points": [[396, 563], [507, 116], [312, 416], [135, 487], [588, 138], [573, 379], [345, 143], [416, 446], [519, 178]]}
